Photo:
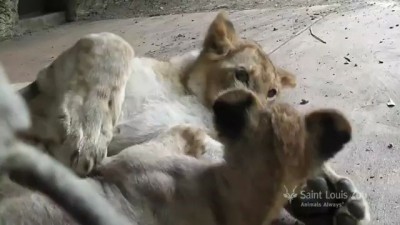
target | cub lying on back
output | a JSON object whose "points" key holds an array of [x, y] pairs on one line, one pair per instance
{"points": [[266, 149]]}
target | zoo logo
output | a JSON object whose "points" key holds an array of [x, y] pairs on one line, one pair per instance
{"points": [[290, 196]]}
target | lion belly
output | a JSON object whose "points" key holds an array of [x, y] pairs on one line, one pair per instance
{"points": [[155, 101]]}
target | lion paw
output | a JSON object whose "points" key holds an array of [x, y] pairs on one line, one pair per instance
{"points": [[79, 99], [340, 202], [355, 210], [85, 160], [185, 139]]}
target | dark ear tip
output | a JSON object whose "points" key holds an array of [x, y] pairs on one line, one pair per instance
{"points": [[330, 119], [224, 105], [337, 124], [334, 131], [234, 96], [230, 111], [344, 136]]}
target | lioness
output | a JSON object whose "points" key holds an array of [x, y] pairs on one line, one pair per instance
{"points": [[78, 114], [266, 149]]}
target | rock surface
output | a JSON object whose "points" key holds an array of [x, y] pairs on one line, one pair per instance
{"points": [[8, 17], [75, 10], [86, 8]]}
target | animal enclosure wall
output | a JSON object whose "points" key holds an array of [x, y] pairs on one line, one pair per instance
{"points": [[12, 11], [32, 8], [8, 17]]}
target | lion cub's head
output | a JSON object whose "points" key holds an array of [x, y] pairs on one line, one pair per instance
{"points": [[228, 61], [275, 141]]}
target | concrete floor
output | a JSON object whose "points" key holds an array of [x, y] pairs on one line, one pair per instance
{"points": [[368, 36]]}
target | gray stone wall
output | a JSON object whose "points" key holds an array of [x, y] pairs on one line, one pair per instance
{"points": [[86, 8], [75, 10], [8, 17]]}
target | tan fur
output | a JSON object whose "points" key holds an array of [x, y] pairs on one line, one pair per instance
{"points": [[80, 94], [223, 53], [39, 172], [154, 183], [81, 97], [159, 96]]}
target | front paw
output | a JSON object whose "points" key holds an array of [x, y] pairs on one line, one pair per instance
{"points": [[355, 209], [189, 140], [85, 159], [338, 202]]}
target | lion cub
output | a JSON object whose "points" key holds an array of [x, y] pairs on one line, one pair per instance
{"points": [[267, 149], [97, 99]]}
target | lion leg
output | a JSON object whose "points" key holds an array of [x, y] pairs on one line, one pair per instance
{"points": [[80, 99], [355, 208], [183, 139], [32, 169], [347, 206]]}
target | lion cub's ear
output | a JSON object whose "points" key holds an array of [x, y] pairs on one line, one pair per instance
{"points": [[330, 130], [287, 79], [231, 112], [221, 35]]}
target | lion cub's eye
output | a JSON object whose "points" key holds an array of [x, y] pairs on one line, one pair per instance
{"points": [[272, 93], [242, 75]]}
